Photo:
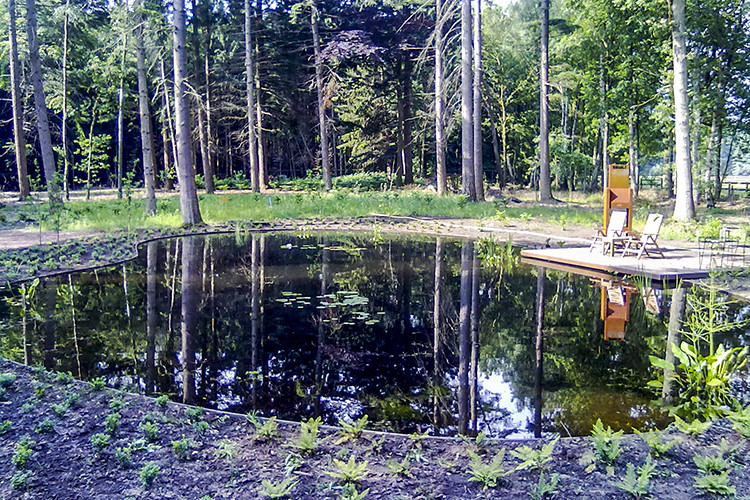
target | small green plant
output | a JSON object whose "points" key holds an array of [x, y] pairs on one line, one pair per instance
{"points": [[162, 400], [124, 457], [717, 484], [606, 446], [181, 448], [98, 384], [64, 378], [5, 426], [657, 445], [531, 458], [712, 464], [478, 442], [148, 474], [100, 440], [349, 492], [194, 414], [307, 442], [487, 474], [226, 450], [112, 422], [417, 439], [7, 379], [39, 391], [24, 449], [402, 468], [116, 404], [200, 427], [544, 487], [20, 480], [353, 431], [60, 409], [349, 472], [292, 462], [637, 482], [150, 431], [45, 426], [693, 428], [281, 489], [264, 429]]}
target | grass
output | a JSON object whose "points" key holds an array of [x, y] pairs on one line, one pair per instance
{"points": [[222, 208]]}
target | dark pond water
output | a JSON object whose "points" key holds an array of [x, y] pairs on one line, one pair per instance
{"points": [[419, 334]]}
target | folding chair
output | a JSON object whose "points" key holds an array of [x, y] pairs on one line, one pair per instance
{"points": [[639, 246]]}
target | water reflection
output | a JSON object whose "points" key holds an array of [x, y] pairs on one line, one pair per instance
{"points": [[442, 334]]}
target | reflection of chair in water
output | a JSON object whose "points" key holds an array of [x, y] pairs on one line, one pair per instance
{"points": [[638, 246], [614, 234]]}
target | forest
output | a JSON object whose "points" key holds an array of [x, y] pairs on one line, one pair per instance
{"points": [[251, 95]]}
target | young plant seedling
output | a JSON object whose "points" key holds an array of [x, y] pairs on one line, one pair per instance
{"points": [[545, 487], [267, 429], [281, 489], [181, 448], [489, 474], [112, 422], [656, 443], [148, 474], [24, 449], [637, 482], [100, 441], [531, 458], [717, 484], [349, 472], [307, 442], [402, 468], [606, 448], [353, 431]]}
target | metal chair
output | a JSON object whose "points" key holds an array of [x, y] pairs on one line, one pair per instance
{"points": [[639, 246], [615, 232]]}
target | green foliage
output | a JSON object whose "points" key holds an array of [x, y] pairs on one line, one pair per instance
{"points": [[112, 422], [116, 404], [20, 480], [194, 414], [712, 464], [148, 474], [637, 482], [741, 421], [150, 431], [704, 370], [349, 492], [200, 427], [363, 181], [402, 468], [226, 450], [7, 379], [100, 440], [350, 471], [5, 426], [307, 442], [545, 487], [693, 428], [534, 459], [266, 429], [124, 457], [162, 400], [23, 450], [98, 384], [353, 431], [657, 445], [606, 442], [281, 489], [489, 474], [182, 448], [64, 378], [717, 484]]}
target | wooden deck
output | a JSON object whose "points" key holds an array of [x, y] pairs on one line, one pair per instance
{"points": [[677, 264]]}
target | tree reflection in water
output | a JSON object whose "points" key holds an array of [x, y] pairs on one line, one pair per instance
{"points": [[419, 333]]}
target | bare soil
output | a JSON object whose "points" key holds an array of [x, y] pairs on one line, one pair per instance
{"points": [[65, 464]]}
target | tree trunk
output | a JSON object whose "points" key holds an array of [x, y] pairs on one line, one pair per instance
{"points": [[407, 154], [437, 327], [262, 166], [440, 141], [324, 152], [147, 134], [684, 208], [168, 126], [676, 317], [477, 104], [467, 136], [189, 208], [545, 182], [464, 334], [64, 124], [539, 352], [208, 180], [210, 134], [120, 120], [474, 363], [632, 152], [715, 168], [252, 149], [151, 316], [189, 307], [24, 188], [500, 180], [40, 105]]}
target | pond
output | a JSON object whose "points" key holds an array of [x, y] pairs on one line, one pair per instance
{"points": [[418, 333]]}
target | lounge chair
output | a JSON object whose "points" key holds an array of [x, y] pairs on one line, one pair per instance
{"points": [[614, 234], [639, 246]]}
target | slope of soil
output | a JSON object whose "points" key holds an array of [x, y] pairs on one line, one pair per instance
{"points": [[226, 458]]}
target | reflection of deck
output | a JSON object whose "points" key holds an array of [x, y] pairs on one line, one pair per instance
{"points": [[676, 264]]}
